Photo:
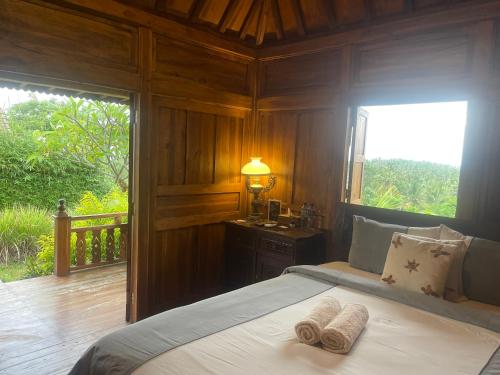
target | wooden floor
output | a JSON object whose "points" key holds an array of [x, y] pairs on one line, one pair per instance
{"points": [[46, 323]]}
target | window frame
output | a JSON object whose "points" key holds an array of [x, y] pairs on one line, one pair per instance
{"points": [[352, 120]]}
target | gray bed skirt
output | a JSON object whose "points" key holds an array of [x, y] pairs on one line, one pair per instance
{"points": [[125, 350]]}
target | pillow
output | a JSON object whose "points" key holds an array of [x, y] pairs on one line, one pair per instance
{"points": [[370, 243], [429, 232], [454, 290], [447, 233], [481, 271], [418, 265]]}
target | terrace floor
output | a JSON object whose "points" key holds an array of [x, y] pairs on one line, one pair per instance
{"points": [[48, 322]]}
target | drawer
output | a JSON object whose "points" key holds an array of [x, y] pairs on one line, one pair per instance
{"points": [[239, 237], [277, 246]]}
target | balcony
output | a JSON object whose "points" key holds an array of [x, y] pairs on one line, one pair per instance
{"points": [[48, 322]]}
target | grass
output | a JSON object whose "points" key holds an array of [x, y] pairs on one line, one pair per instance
{"points": [[13, 271], [20, 228]]}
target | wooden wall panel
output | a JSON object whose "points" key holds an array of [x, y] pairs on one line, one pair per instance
{"points": [[228, 150], [198, 153], [287, 75], [196, 148], [200, 147], [424, 57], [197, 204], [314, 167], [299, 147], [171, 152], [187, 265], [200, 66], [69, 45], [174, 253], [275, 143]]}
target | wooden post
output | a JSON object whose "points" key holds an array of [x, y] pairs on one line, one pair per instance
{"points": [[62, 236]]}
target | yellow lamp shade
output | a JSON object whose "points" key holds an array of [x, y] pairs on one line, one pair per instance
{"points": [[255, 168]]}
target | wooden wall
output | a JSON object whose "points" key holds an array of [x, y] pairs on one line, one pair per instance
{"points": [[205, 104]]}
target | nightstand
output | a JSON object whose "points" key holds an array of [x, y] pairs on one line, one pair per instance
{"points": [[255, 253]]}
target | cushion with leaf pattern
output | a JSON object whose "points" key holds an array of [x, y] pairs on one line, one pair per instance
{"points": [[416, 264]]}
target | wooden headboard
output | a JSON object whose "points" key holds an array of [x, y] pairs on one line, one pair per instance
{"points": [[343, 225]]}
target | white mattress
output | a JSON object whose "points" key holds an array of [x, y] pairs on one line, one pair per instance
{"points": [[398, 339]]}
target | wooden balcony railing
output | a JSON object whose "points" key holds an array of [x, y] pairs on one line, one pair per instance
{"points": [[78, 247]]}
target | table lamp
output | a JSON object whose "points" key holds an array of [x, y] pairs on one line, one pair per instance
{"points": [[254, 171]]}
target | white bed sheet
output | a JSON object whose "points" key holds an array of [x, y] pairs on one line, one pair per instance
{"points": [[398, 339]]}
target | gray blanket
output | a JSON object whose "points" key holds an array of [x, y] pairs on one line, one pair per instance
{"points": [[125, 350]]}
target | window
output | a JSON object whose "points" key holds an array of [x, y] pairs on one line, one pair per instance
{"points": [[408, 157]]}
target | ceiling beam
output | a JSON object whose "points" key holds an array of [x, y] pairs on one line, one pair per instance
{"points": [[196, 9], [299, 18], [230, 15], [369, 10], [262, 23], [254, 12], [331, 15], [276, 16]]}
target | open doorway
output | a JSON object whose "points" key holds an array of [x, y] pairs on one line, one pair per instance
{"points": [[64, 210], [67, 149]]}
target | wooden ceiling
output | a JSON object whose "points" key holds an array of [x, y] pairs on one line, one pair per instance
{"points": [[268, 21]]}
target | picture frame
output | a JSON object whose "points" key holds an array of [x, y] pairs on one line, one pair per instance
{"points": [[273, 209]]}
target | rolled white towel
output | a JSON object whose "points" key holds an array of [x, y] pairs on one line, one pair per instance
{"points": [[341, 333], [309, 329]]}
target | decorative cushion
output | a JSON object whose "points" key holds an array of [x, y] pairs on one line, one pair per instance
{"points": [[370, 243], [481, 271], [454, 290], [429, 232], [447, 233], [418, 265]]}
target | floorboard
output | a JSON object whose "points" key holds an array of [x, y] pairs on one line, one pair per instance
{"points": [[46, 323]]}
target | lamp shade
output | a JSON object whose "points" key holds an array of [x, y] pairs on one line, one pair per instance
{"points": [[255, 168]]}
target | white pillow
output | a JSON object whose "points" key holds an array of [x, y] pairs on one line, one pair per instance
{"points": [[454, 290], [418, 265], [447, 233], [430, 232]]}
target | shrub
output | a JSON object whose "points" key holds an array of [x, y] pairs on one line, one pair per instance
{"points": [[414, 186], [20, 228], [41, 182], [43, 263]]}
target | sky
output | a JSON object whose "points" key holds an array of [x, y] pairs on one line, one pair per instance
{"points": [[9, 97], [425, 132]]}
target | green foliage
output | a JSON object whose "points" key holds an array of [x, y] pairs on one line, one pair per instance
{"points": [[91, 133], [41, 182], [115, 200], [43, 263], [13, 271], [20, 227], [413, 186], [24, 118]]}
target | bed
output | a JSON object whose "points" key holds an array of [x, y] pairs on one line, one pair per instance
{"points": [[251, 330]]}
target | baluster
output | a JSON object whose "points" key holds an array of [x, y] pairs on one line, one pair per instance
{"points": [[110, 244], [81, 247], [123, 241], [96, 246]]}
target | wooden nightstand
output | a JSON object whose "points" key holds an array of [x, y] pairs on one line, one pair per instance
{"points": [[254, 253]]}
